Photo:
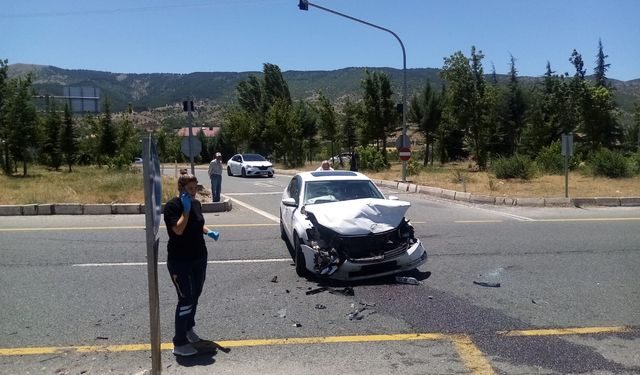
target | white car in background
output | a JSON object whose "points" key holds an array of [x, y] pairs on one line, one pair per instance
{"points": [[338, 224], [249, 165]]}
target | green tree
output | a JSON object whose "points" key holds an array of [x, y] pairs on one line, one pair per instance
{"points": [[275, 87], [600, 127], [287, 131], [633, 132], [349, 124], [128, 138], [425, 110], [601, 68], [379, 111], [464, 101], [68, 139], [327, 121], [52, 148], [22, 121], [515, 114], [307, 116], [108, 137], [4, 127]]}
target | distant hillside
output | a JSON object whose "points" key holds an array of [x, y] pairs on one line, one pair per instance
{"points": [[146, 91]]}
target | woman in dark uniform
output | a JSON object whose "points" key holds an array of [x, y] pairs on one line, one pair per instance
{"points": [[187, 259]]}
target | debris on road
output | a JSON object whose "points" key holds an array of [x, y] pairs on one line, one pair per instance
{"points": [[407, 280], [346, 291], [357, 314], [316, 290], [282, 313], [296, 325], [490, 285], [275, 279], [320, 306]]}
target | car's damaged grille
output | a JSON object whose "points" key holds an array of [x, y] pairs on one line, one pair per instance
{"points": [[373, 247]]}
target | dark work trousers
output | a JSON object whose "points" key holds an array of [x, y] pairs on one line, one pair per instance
{"points": [[188, 278]]}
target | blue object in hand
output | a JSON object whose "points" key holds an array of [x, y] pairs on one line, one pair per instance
{"points": [[213, 234], [186, 202]]}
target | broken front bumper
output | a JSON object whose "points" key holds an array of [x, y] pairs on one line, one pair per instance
{"points": [[414, 257]]}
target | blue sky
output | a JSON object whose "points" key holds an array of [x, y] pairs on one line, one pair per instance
{"points": [[162, 36]]}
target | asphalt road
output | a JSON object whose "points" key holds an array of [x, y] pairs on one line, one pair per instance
{"points": [[75, 297]]}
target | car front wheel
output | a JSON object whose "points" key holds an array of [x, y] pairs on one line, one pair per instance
{"points": [[301, 268], [229, 171], [244, 172]]}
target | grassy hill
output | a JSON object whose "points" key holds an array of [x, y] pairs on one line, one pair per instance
{"points": [[152, 90]]}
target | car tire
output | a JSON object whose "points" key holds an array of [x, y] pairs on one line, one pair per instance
{"points": [[229, 171], [301, 269], [244, 172], [270, 175]]}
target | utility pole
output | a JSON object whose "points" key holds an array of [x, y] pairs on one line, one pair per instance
{"points": [[304, 5]]}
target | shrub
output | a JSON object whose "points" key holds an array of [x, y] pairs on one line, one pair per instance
{"points": [[370, 159], [605, 162], [634, 160], [414, 167], [550, 159], [461, 177], [517, 166]]}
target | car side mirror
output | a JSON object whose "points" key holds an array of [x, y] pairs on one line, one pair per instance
{"points": [[290, 202], [393, 198]]}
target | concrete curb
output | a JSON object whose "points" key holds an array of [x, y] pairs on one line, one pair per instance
{"points": [[96, 209]]}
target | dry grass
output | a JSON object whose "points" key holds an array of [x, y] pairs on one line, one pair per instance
{"points": [[459, 178], [103, 185], [83, 185], [484, 183]]}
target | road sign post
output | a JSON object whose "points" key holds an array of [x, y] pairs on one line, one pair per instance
{"points": [[153, 208]]}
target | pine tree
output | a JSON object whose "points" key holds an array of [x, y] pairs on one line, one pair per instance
{"points": [[601, 67], [68, 141], [328, 123], [108, 138], [516, 109], [22, 121], [52, 141], [4, 127]]}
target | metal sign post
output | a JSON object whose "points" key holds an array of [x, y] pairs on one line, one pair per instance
{"points": [[188, 106], [152, 209], [567, 150]]}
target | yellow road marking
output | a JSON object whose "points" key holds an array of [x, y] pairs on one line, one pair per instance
{"points": [[333, 339], [127, 227], [471, 356], [565, 331], [469, 353], [226, 344]]}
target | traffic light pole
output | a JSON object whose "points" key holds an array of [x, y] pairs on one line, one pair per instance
{"points": [[304, 5]]}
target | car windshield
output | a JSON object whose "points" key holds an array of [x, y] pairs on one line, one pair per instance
{"points": [[253, 157], [339, 190]]}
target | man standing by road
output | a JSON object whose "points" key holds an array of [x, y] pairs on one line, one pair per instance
{"points": [[215, 173]]}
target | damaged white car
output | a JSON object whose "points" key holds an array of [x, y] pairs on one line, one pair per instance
{"points": [[338, 224]]}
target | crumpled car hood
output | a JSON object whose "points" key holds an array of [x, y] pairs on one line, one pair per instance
{"points": [[360, 216]]}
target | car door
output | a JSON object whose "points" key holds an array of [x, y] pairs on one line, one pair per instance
{"points": [[236, 161], [287, 212]]}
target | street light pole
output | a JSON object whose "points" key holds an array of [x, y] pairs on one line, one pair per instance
{"points": [[304, 5]]}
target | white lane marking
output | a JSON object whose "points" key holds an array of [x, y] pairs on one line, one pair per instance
{"points": [[265, 193], [231, 261], [254, 209], [467, 205]]}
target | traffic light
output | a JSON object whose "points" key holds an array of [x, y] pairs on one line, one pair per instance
{"points": [[303, 5]]}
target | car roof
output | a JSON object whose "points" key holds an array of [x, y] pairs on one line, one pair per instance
{"points": [[332, 175]]}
